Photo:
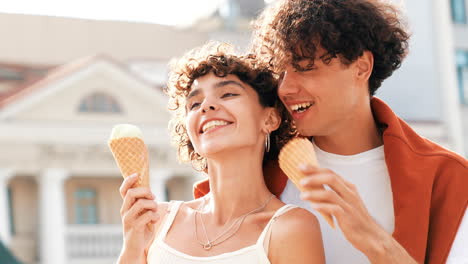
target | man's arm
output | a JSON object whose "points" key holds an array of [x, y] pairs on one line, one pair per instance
{"points": [[344, 202]]}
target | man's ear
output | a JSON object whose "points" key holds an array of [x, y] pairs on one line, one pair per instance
{"points": [[273, 120], [365, 64]]}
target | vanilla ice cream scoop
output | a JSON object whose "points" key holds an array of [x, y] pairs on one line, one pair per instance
{"points": [[125, 130]]}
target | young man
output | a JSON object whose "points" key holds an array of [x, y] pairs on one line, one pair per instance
{"points": [[396, 197]]}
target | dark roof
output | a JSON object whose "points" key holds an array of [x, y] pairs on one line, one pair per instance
{"points": [[57, 73]]}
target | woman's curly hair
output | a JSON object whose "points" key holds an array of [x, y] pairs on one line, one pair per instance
{"points": [[291, 30], [221, 60]]}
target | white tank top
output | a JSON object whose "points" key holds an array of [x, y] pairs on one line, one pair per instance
{"points": [[162, 253]]}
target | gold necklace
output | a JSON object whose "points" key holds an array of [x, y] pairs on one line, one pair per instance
{"points": [[213, 242]]}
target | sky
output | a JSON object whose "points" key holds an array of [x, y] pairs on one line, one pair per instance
{"points": [[166, 12]]}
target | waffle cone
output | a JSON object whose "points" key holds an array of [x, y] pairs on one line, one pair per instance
{"points": [[297, 152], [131, 156]]}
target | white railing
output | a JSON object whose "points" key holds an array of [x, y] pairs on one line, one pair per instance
{"points": [[92, 243]]}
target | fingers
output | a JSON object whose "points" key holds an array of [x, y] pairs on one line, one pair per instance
{"points": [[148, 217], [141, 223], [133, 195], [127, 184], [329, 209], [141, 208], [322, 195], [317, 177]]}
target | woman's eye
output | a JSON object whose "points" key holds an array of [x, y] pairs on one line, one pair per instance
{"points": [[192, 106], [229, 95]]}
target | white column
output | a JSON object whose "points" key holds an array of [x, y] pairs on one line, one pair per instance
{"points": [[5, 235], [444, 41], [158, 178], [52, 216]]}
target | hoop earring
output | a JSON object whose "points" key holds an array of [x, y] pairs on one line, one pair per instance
{"points": [[267, 143]]}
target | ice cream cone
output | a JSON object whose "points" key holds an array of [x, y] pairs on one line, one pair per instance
{"points": [[130, 153], [297, 152], [131, 156]]}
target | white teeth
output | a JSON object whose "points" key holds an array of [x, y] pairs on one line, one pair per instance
{"points": [[213, 124], [301, 107]]}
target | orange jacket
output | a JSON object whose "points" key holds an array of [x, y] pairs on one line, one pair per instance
{"points": [[429, 185]]}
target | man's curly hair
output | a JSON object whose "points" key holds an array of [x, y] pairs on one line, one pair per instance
{"points": [[221, 60], [291, 31]]}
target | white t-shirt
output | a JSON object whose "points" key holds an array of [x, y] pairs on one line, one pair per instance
{"points": [[368, 172]]}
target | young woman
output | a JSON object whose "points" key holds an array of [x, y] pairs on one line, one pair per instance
{"points": [[227, 123]]}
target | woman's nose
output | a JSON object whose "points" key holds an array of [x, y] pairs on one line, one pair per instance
{"points": [[207, 106]]}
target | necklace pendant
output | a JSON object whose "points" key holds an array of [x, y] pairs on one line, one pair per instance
{"points": [[207, 246]]}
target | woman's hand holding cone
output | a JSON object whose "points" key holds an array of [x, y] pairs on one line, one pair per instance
{"points": [[139, 211]]}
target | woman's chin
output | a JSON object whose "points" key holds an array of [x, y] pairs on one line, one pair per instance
{"points": [[213, 151], [231, 147]]}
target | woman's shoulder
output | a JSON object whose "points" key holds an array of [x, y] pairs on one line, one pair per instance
{"points": [[194, 204], [162, 212], [183, 208], [297, 232], [297, 219], [165, 208], [292, 221]]}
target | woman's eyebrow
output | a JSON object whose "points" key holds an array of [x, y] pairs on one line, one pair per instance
{"points": [[216, 85], [192, 94]]}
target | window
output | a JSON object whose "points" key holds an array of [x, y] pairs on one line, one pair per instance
{"points": [[10, 211], [458, 11], [99, 103], [462, 75], [85, 206]]}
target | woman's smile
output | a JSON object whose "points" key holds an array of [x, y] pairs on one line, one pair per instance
{"points": [[212, 125]]}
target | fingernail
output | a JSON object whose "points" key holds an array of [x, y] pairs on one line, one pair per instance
{"points": [[303, 181], [134, 175], [303, 167]]}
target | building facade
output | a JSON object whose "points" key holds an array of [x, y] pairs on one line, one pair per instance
{"points": [[459, 15], [59, 200], [425, 91], [58, 180]]}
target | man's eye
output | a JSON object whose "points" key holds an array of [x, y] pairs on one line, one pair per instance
{"points": [[192, 106], [229, 95]]}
